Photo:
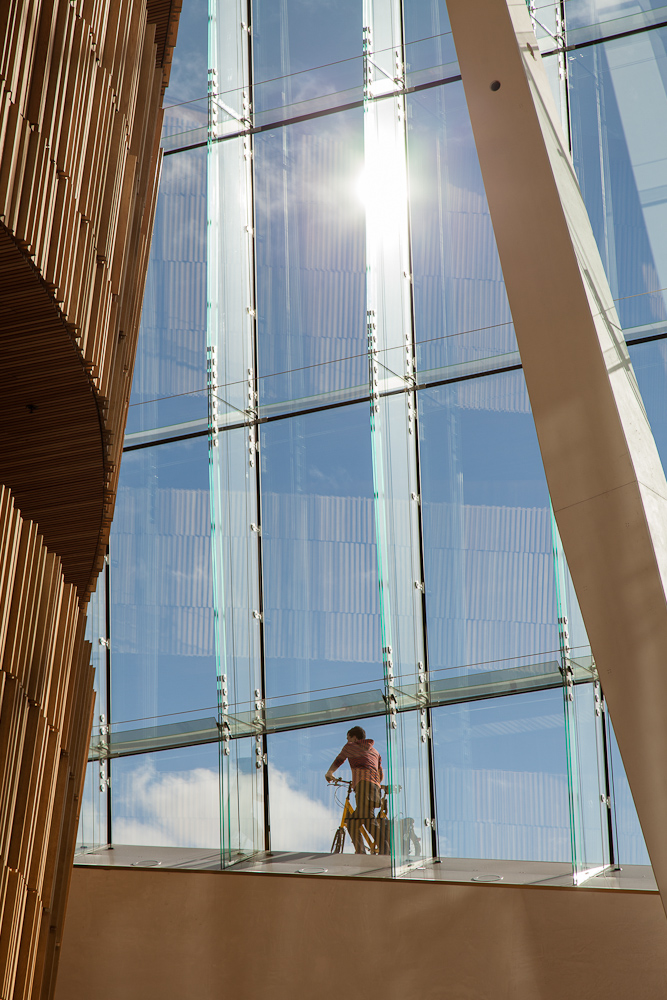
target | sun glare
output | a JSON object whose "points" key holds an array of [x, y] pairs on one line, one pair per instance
{"points": [[383, 192]]}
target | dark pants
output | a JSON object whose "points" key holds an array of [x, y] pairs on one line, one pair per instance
{"points": [[367, 795]]}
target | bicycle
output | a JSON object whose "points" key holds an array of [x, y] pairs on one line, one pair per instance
{"points": [[369, 841]]}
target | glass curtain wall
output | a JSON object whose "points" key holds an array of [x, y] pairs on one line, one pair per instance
{"points": [[151, 619], [333, 511]]}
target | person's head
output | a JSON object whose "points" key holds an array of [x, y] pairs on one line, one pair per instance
{"points": [[355, 734]]}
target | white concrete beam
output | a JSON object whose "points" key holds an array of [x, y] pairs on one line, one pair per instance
{"points": [[607, 484]]}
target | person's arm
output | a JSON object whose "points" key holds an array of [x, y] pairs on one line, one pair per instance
{"points": [[340, 759]]}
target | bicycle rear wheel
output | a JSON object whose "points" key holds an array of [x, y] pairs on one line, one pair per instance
{"points": [[338, 841]]}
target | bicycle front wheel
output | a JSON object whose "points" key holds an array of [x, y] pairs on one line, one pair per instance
{"points": [[338, 841]]}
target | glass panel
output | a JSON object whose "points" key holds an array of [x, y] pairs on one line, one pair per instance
{"points": [[630, 848], [185, 100], [546, 16], [161, 601], [650, 364], [231, 360], [391, 365], [429, 46], [242, 799], [321, 615], [175, 729], [409, 800], [501, 779], [231, 302], [618, 103], [97, 634], [303, 51], [584, 731], [397, 533], [169, 384], [236, 560], [590, 19], [384, 192], [487, 537], [462, 317], [92, 831], [167, 799], [589, 803], [400, 572], [555, 66], [305, 811], [310, 258]]}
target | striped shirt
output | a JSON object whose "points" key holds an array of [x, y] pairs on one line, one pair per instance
{"points": [[364, 760]]}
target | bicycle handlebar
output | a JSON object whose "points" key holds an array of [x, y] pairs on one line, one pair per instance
{"points": [[385, 788]]}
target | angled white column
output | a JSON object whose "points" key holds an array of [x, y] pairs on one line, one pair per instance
{"points": [[606, 481]]}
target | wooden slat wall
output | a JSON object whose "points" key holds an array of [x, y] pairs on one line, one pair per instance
{"points": [[81, 83], [46, 706]]}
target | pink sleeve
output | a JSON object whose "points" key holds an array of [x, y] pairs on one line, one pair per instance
{"points": [[340, 759]]}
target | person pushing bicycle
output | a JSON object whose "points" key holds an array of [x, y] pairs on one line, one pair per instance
{"points": [[367, 774]]}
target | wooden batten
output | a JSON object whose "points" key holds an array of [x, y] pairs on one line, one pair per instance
{"points": [[81, 84], [80, 94], [46, 705]]}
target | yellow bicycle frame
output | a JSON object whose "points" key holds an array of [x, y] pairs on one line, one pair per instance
{"points": [[369, 840]]}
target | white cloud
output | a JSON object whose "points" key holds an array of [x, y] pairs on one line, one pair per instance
{"points": [[299, 823], [182, 809], [167, 809]]}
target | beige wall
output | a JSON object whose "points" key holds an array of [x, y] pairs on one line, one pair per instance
{"points": [[175, 935]]}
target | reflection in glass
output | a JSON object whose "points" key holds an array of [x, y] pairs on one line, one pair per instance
{"points": [[486, 520], [397, 536], [629, 845], [618, 100], [588, 808], [186, 117], [591, 19], [321, 615], [305, 810], [311, 271], [584, 733], [97, 636], [168, 799], [546, 16], [558, 90], [241, 800], [169, 384], [429, 46], [302, 50], [501, 780], [650, 365], [401, 608], [161, 602], [236, 567], [461, 311], [410, 808], [306, 571], [92, 832]]}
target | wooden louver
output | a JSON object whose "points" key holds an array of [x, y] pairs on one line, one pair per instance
{"points": [[81, 84], [46, 705], [80, 94]]}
